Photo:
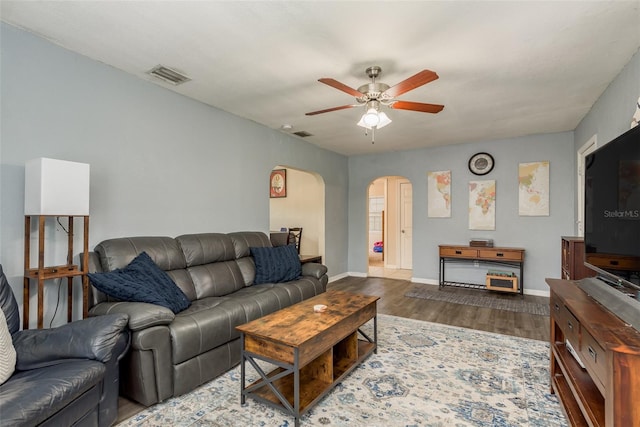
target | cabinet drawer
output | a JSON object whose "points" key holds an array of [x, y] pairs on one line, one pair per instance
{"points": [[594, 357], [454, 252], [568, 323], [500, 254]]}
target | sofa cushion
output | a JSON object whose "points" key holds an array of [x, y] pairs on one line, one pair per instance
{"points": [[141, 281], [31, 397], [276, 265], [8, 353], [243, 240]]}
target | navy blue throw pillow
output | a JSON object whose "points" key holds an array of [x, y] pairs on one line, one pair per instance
{"points": [[275, 265], [141, 281]]}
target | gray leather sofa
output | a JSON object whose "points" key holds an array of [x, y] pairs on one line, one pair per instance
{"points": [[172, 354], [65, 376]]}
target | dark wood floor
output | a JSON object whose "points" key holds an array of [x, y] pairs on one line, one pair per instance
{"points": [[392, 301]]}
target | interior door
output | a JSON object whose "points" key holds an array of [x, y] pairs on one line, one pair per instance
{"points": [[406, 225]]}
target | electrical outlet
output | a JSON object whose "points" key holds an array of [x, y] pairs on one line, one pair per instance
{"points": [[476, 263]]}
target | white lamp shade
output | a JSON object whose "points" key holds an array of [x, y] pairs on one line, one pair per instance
{"points": [[56, 187], [384, 120], [371, 118]]}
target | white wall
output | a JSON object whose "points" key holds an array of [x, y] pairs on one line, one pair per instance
{"points": [[303, 207], [161, 164], [539, 236]]}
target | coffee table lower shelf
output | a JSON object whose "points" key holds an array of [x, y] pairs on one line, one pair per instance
{"points": [[295, 389]]}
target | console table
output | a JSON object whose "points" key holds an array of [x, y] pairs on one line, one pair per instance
{"points": [[513, 257], [310, 258]]}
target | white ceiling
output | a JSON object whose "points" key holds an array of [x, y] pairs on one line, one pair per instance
{"points": [[506, 68]]}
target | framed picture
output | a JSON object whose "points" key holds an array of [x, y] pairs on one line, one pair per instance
{"points": [[278, 183], [533, 189], [439, 194], [482, 205]]}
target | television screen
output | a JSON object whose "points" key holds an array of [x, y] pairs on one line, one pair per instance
{"points": [[612, 209]]}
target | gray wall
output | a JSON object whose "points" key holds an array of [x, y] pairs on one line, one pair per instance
{"points": [[539, 236], [611, 115], [161, 164]]}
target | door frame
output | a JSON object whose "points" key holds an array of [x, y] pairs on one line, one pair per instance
{"points": [[401, 261], [588, 147]]}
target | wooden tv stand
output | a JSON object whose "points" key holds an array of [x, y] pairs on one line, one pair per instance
{"points": [[607, 391]]}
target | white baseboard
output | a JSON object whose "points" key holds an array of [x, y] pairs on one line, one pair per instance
{"points": [[537, 293], [357, 274], [338, 277], [534, 292], [425, 281]]}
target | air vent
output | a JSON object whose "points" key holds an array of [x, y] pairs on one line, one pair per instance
{"points": [[168, 75], [302, 133]]}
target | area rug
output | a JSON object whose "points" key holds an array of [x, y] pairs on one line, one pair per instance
{"points": [[424, 374], [511, 302]]}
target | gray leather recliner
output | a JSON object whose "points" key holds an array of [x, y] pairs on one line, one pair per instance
{"points": [[67, 375]]}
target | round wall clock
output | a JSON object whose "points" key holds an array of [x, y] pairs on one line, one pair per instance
{"points": [[481, 163]]}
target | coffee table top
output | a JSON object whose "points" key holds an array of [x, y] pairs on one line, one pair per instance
{"points": [[298, 323]]}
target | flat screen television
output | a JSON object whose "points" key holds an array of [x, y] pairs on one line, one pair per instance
{"points": [[612, 225]]}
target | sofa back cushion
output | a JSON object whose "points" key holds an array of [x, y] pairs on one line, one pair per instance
{"points": [[242, 242], [164, 251], [211, 263]]}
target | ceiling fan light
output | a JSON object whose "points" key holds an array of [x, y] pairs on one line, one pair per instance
{"points": [[371, 117], [361, 123], [384, 120]]}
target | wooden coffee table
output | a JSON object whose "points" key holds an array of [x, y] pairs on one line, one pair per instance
{"points": [[311, 351]]}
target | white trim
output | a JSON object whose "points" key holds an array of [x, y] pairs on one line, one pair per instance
{"points": [[537, 293], [356, 274], [338, 277], [435, 282], [425, 281], [587, 147]]}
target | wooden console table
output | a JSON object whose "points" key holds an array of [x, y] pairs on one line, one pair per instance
{"points": [[310, 258], [502, 256], [606, 391]]}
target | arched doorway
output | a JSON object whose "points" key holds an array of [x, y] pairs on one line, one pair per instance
{"points": [[303, 205], [390, 228]]}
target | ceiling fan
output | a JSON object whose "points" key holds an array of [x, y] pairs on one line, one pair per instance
{"points": [[373, 95]]}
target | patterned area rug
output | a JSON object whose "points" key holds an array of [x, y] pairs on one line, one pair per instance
{"points": [[511, 302], [424, 374]]}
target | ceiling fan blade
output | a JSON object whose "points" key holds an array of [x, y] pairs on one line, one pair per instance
{"points": [[416, 106], [328, 110], [340, 86], [417, 80]]}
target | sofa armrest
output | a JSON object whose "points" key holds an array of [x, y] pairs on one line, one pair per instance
{"points": [[314, 269], [92, 338], [141, 314]]}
